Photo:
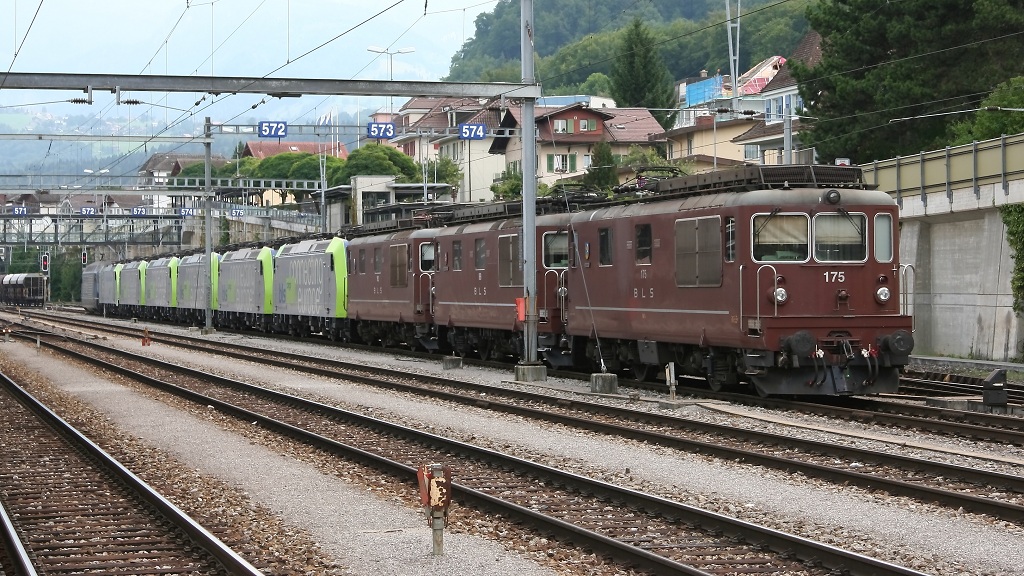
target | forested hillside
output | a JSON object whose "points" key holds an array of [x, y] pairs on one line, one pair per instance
{"points": [[576, 39]]}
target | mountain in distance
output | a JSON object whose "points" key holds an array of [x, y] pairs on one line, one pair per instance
{"points": [[577, 38]]}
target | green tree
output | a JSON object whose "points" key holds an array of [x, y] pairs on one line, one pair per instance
{"points": [[603, 172], [378, 159], [445, 170], [308, 168], [988, 124], [509, 186], [642, 156], [915, 58], [639, 77]]}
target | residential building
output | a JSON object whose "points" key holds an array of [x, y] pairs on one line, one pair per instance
{"points": [[566, 136], [765, 141], [261, 149]]}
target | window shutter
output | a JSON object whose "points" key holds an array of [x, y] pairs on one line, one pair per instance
{"points": [[572, 162], [592, 124], [551, 163], [570, 126]]}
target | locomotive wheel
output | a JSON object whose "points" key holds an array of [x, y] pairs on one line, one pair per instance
{"points": [[642, 372], [716, 384]]}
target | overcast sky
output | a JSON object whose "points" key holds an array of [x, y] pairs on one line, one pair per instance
{"points": [[231, 38]]}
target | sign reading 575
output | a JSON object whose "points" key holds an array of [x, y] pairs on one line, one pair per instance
{"points": [[380, 130]]}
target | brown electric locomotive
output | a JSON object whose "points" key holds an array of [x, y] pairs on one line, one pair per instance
{"points": [[783, 277]]}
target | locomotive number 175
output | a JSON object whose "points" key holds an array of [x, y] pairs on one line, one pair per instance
{"points": [[831, 277]]}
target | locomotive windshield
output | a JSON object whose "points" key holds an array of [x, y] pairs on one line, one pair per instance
{"points": [[840, 237], [780, 237], [556, 250]]}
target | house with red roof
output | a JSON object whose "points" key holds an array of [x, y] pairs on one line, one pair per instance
{"points": [[566, 136], [765, 141], [261, 149]]}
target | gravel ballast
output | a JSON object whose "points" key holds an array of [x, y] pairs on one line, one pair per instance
{"points": [[374, 535]]}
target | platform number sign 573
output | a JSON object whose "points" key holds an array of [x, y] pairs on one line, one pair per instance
{"points": [[472, 131], [380, 130]]}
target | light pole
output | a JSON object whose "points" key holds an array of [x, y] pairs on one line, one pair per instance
{"points": [[96, 184], [391, 70]]}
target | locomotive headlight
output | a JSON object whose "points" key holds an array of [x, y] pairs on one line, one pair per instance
{"points": [[882, 294], [780, 295]]}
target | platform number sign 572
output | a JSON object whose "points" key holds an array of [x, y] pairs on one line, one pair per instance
{"points": [[380, 130], [472, 131], [271, 129]]}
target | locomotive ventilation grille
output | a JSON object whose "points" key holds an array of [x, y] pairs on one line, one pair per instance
{"points": [[812, 176]]}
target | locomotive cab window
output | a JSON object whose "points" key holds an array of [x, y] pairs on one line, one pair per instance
{"points": [[883, 237], [556, 249], [427, 257], [840, 237], [378, 260], [362, 261], [780, 237], [644, 243]]}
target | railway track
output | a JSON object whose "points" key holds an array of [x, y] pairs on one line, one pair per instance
{"points": [[970, 488], [636, 529], [69, 508]]}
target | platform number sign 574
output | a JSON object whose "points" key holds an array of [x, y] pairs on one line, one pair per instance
{"points": [[472, 131]]}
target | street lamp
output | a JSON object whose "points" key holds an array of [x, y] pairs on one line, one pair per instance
{"points": [[391, 69], [98, 173]]}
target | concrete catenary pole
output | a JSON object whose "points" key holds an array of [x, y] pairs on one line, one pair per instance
{"points": [[208, 209], [529, 369]]}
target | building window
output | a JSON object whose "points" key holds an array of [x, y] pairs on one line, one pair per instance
{"points": [[752, 153], [588, 125], [587, 161], [561, 126], [689, 144], [561, 163]]}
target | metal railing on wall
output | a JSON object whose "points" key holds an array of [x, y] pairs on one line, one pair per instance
{"points": [[980, 163]]}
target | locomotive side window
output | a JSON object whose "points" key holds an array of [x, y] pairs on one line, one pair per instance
{"points": [[698, 244], [556, 250], [644, 243], [399, 262], [378, 260], [604, 236], [840, 237], [730, 239], [883, 237], [480, 254], [510, 273], [780, 237], [457, 255], [427, 257], [362, 261]]}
